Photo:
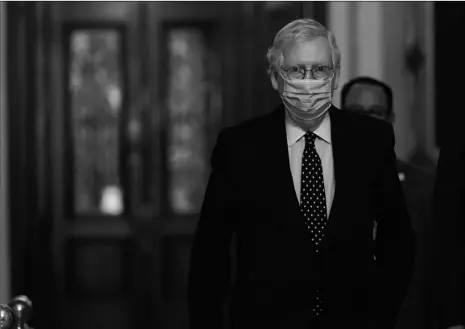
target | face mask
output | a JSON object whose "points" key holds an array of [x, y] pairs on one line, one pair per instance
{"points": [[307, 99]]}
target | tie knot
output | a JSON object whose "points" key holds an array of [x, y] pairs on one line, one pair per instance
{"points": [[310, 139]]}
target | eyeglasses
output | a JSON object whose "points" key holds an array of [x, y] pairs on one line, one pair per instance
{"points": [[321, 72]]}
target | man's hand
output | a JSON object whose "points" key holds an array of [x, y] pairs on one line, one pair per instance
{"points": [[461, 326]]}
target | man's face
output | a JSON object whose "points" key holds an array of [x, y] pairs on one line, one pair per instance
{"points": [[309, 54], [369, 100]]}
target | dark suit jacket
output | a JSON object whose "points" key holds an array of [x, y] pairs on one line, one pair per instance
{"points": [[449, 231], [251, 194], [418, 189]]}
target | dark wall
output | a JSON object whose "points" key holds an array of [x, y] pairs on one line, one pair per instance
{"points": [[29, 250], [449, 70], [21, 126]]}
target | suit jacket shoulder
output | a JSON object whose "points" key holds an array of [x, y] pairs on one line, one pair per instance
{"points": [[364, 126], [363, 130]]}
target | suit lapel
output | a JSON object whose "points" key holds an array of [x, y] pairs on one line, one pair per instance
{"points": [[277, 160], [342, 147], [338, 145]]}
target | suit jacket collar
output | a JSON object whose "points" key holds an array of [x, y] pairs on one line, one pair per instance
{"points": [[294, 132]]}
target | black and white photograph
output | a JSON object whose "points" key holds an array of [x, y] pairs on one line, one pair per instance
{"points": [[232, 164]]}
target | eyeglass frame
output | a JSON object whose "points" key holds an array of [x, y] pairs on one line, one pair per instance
{"points": [[332, 72]]}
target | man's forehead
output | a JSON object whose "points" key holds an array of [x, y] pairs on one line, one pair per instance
{"points": [[366, 93], [308, 52]]}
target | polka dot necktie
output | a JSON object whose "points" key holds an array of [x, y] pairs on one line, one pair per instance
{"points": [[313, 200]]}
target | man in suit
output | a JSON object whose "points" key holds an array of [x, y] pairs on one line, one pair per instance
{"points": [[449, 229], [368, 96], [299, 189]]}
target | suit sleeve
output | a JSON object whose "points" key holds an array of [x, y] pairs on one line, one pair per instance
{"points": [[395, 242], [209, 272], [449, 240]]}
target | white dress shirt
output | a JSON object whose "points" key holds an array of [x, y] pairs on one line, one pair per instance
{"points": [[296, 145]]}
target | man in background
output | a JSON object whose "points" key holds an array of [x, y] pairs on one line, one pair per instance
{"points": [[368, 96]]}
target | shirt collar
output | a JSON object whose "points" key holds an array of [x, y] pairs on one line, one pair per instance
{"points": [[294, 132]]}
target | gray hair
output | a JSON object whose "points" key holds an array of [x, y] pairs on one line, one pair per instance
{"points": [[300, 29]]}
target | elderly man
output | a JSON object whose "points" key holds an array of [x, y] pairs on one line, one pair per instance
{"points": [[368, 96], [300, 188]]}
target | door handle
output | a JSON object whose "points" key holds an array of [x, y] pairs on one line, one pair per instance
{"points": [[16, 313]]}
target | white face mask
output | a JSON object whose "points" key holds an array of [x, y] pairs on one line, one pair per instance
{"points": [[307, 99]]}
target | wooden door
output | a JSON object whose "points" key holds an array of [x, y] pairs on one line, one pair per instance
{"points": [[140, 92], [123, 102]]}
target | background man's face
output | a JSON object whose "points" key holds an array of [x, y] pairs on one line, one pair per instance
{"points": [[369, 100]]}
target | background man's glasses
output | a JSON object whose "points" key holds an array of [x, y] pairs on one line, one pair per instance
{"points": [[376, 111]]}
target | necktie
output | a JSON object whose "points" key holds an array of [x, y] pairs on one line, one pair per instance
{"points": [[313, 200]]}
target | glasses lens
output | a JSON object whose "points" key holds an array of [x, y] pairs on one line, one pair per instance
{"points": [[321, 73], [295, 73]]}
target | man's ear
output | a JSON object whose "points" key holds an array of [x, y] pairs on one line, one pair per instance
{"points": [[274, 80], [392, 118]]}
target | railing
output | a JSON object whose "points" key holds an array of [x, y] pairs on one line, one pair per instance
{"points": [[16, 313]]}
